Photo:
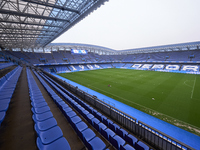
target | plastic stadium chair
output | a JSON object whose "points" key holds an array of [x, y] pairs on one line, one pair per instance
{"points": [[116, 141], [106, 133], [131, 139], [42, 117], [46, 124], [50, 135], [126, 147], [141, 146], [59, 144], [87, 135], [121, 132], [96, 144]]}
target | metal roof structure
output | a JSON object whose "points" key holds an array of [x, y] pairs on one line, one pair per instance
{"points": [[107, 51], [35, 23], [164, 48]]}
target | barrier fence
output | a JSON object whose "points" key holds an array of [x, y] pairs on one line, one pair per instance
{"points": [[150, 135]]}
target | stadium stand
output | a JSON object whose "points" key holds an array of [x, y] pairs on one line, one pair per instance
{"points": [[7, 87], [49, 134], [94, 117], [91, 123]]}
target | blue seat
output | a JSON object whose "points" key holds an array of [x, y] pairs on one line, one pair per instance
{"points": [[70, 115], [87, 135], [42, 117], [85, 113], [65, 106], [102, 126], [59, 144], [50, 135], [67, 109], [46, 124], [40, 110], [98, 115], [121, 132], [81, 109], [107, 121], [60, 103], [89, 117], [131, 139], [116, 141], [108, 132], [96, 144], [4, 107], [2, 116], [5, 101], [126, 147], [81, 126], [38, 105], [141, 146], [113, 126], [74, 120], [94, 120]]}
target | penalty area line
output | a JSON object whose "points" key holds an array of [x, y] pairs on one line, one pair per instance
{"points": [[193, 87]]}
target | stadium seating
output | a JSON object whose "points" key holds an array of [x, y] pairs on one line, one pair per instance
{"points": [[82, 130], [5, 65], [103, 125], [7, 87], [50, 135]]}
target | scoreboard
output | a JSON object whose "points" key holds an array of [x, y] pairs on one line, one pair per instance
{"points": [[76, 51]]}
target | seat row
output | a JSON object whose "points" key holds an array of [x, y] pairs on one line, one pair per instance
{"points": [[5, 65], [88, 137], [112, 132], [7, 87], [49, 134]]}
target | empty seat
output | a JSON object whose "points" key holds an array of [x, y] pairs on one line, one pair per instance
{"points": [[89, 117], [116, 141], [40, 110], [42, 117], [4, 106], [38, 105], [107, 121], [87, 135], [59, 144], [121, 132], [50, 135], [141, 146], [106, 133], [126, 147], [102, 126], [81, 126], [46, 124], [96, 144], [131, 139], [113, 127], [70, 115], [74, 120], [94, 120]]}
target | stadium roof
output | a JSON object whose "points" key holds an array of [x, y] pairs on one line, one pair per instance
{"points": [[35, 23], [104, 50]]}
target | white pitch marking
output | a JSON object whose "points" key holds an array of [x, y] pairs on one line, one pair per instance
{"points": [[193, 87]]}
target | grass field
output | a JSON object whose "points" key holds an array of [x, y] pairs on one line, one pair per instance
{"points": [[172, 97]]}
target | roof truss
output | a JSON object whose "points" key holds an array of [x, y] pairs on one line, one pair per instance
{"points": [[40, 21]]}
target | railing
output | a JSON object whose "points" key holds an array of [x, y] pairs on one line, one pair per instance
{"points": [[150, 135]]}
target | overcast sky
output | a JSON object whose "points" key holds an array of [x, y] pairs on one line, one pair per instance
{"points": [[127, 24]]}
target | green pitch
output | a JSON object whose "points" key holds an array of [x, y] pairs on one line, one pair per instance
{"points": [[172, 97]]}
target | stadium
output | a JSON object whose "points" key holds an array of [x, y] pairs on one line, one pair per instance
{"points": [[82, 96]]}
